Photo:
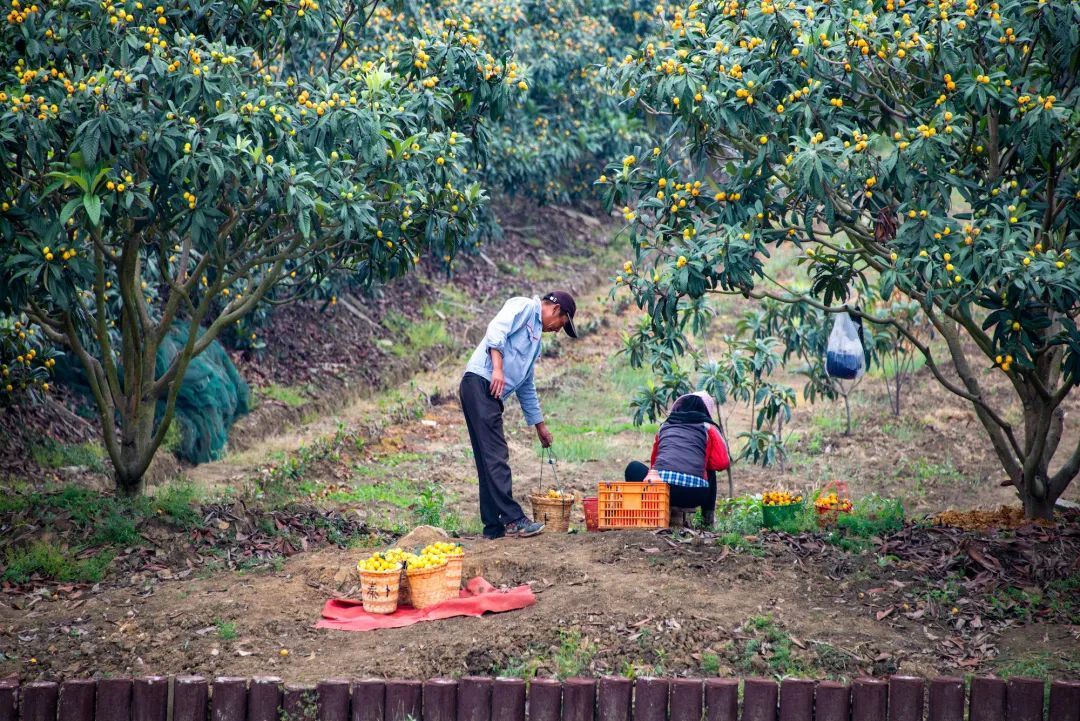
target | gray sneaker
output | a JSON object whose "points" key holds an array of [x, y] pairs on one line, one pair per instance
{"points": [[524, 527]]}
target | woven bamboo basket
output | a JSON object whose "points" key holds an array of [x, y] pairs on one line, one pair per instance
{"points": [[453, 574], [379, 590], [427, 586], [554, 513]]}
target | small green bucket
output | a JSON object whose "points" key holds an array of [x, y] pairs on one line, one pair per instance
{"points": [[773, 516]]}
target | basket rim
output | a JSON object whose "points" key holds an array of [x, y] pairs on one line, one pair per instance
{"points": [[421, 572], [537, 498], [391, 572]]}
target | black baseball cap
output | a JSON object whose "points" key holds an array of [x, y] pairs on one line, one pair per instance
{"points": [[566, 303]]}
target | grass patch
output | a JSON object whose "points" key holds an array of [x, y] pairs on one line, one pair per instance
{"points": [[741, 544], [94, 520], [453, 302], [292, 397], [431, 510], [872, 515], [837, 663], [710, 664], [415, 336], [54, 562], [885, 367], [117, 529], [902, 429], [226, 630], [395, 492], [173, 438], [396, 459], [773, 645], [805, 521], [577, 448], [14, 502], [739, 516], [924, 473], [572, 657], [427, 334], [608, 429], [1039, 665], [574, 654], [594, 407], [84, 505], [832, 422], [177, 502], [597, 395], [53, 454], [1060, 596], [401, 408]]}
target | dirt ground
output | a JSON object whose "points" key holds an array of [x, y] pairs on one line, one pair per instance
{"points": [[618, 602], [618, 598]]}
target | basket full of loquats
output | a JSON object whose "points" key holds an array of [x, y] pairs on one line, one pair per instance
{"points": [[380, 581], [779, 506], [553, 509], [831, 502], [426, 574], [455, 559]]}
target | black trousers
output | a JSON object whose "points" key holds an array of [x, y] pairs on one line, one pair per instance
{"points": [[484, 418], [681, 496]]}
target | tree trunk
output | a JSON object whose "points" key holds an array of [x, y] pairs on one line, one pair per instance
{"points": [[136, 451], [1034, 505], [780, 437], [901, 375]]}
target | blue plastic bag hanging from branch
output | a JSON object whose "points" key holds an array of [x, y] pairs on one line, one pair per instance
{"points": [[844, 358]]}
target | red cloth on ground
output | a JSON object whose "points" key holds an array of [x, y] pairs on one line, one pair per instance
{"points": [[478, 597]]}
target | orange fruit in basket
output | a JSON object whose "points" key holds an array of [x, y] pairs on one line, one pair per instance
{"points": [[780, 498]]}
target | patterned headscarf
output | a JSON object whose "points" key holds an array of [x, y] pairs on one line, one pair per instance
{"points": [[710, 403]]}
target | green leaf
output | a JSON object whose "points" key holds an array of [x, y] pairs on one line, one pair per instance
{"points": [[69, 209], [92, 203]]}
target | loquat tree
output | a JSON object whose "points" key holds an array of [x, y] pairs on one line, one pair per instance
{"points": [[177, 162], [928, 148]]}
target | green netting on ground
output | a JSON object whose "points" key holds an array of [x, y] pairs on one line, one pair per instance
{"points": [[212, 396]]}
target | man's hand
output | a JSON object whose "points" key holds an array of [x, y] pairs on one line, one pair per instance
{"points": [[544, 434], [498, 383]]}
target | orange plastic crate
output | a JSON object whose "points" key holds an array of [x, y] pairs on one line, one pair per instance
{"points": [[633, 505]]}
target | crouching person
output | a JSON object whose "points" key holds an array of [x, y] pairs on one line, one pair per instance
{"points": [[687, 452]]}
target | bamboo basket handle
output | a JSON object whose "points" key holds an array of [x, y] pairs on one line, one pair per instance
{"points": [[839, 486]]}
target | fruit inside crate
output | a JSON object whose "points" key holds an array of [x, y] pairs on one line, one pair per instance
{"points": [[633, 505]]}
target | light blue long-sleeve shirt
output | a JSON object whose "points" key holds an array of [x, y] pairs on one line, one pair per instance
{"points": [[516, 332]]}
